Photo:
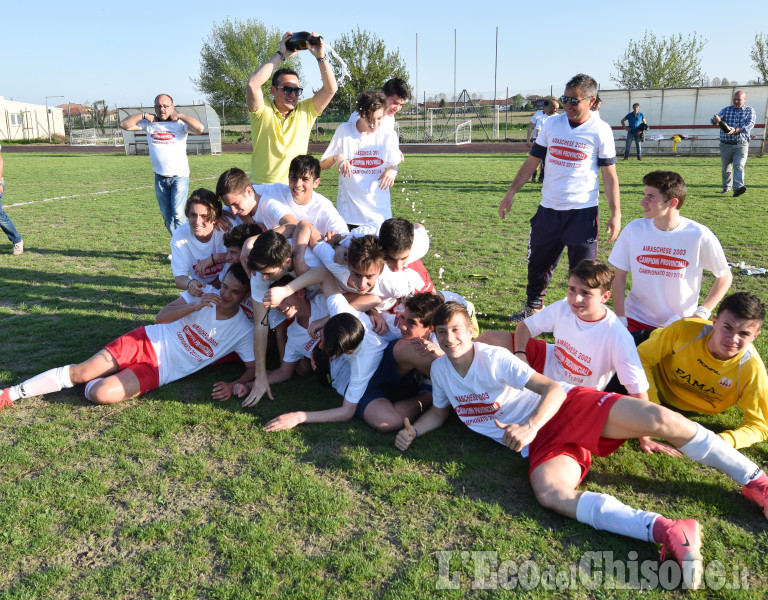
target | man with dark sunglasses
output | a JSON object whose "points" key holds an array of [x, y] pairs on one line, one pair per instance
{"points": [[281, 126], [576, 148]]}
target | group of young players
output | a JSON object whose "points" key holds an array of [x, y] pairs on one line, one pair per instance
{"points": [[359, 308]]}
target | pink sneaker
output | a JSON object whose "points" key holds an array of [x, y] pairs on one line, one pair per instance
{"points": [[5, 399], [757, 492], [682, 541]]}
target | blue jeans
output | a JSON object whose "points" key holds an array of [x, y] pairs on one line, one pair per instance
{"points": [[6, 224], [633, 136], [734, 157], [171, 195]]}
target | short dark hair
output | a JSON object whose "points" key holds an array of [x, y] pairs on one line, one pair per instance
{"points": [[594, 274], [236, 236], [396, 235], [585, 83], [447, 311], [397, 87], [304, 164], [270, 250], [279, 73], [547, 102], [239, 273], [423, 306], [636, 104], [205, 198], [368, 103], [232, 181], [669, 183], [342, 333], [282, 282], [744, 306], [366, 251]]}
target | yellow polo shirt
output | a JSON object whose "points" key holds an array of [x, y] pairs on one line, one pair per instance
{"points": [[278, 139]]}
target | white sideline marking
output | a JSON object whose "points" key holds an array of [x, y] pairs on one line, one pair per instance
{"points": [[143, 187]]}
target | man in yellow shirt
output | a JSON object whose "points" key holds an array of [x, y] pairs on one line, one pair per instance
{"points": [[698, 366], [281, 126]]}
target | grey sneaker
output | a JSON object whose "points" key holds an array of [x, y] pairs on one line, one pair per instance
{"points": [[523, 314], [18, 248]]}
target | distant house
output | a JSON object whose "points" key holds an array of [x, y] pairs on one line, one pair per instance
{"points": [[27, 121]]}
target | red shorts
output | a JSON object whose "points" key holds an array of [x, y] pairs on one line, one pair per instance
{"points": [[134, 351], [535, 352], [633, 326], [575, 430]]}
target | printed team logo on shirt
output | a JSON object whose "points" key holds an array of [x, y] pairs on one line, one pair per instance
{"points": [[475, 409], [213, 269], [197, 342], [569, 154], [163, 136], [570, 364], [366, 162], [310, 345], [725, 382], [245, 306], [662, 261]]}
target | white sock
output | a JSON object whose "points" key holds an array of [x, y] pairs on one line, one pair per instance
{"points": [[88, 387], [605, 512], [710, 449], [53, 380]]}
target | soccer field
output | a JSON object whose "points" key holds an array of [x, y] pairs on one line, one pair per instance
{"points": [[174, 495]]}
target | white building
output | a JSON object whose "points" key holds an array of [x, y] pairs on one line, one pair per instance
{"points": [[27, 121]]}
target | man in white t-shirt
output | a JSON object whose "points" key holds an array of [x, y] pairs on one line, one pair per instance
{"points": [[191, 333], [238, 193], [501, 397], [666, 254], [167, 138], [577, 148]]}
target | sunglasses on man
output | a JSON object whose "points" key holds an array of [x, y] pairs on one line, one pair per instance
{"points": [[574, 101], [289, 89]]}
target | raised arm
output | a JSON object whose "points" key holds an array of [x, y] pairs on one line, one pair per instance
{"points": [[193, 125], [254, 97], [323, 96], [131, 122]]}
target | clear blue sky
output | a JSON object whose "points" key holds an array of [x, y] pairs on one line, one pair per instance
{"points": [[126, 53]]}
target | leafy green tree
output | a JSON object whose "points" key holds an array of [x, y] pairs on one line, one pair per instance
{"points": [[660, 62], [759, 55], [370, 64], [518, 101], [232, 51]]}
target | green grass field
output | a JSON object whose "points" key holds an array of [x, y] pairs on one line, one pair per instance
{"points": [[174, 495]]}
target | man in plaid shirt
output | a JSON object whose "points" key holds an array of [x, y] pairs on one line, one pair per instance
{"points": [[734, 142]]}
